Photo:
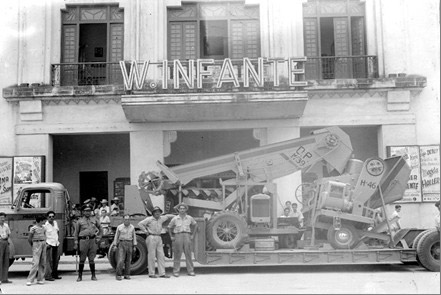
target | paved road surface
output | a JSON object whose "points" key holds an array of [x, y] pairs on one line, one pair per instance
{"points": [[361, 279]]}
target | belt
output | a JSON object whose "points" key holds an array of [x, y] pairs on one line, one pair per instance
{"points": [[86, 237], [38, 240], [183, 232], [154, 234], [126, 240]]}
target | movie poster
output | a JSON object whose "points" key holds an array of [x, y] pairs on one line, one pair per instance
{"points": [[430, 175], [27, 170], [5, 181], [412, 156]]}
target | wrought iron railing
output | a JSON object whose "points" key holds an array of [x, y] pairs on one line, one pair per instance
{"points": [[87, 73], [341, 67]]}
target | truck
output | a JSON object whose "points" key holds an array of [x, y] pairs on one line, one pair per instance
{"points": [[234, 200]]}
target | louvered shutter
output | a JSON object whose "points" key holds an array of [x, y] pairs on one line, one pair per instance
{"points": [[182, 40], [358, 47], [341, 45], [311, 48], [116, 52], [69, 73], [245, 39]]}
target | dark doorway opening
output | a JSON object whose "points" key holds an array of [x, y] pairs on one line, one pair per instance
{"points": [[93, 184]]}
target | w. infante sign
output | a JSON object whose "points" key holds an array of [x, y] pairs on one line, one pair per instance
{"points": [[192, 73]]}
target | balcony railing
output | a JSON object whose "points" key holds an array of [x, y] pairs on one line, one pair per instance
{"points": [[341, 67], [316, 68], [88, 73]]}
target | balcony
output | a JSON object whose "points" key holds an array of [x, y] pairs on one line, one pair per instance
{"points": [[87, 73], [341, 67]]}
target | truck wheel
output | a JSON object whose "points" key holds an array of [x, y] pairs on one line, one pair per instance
{"points": [[428, 250], [226, 230], [139, 257], [418, 238], [344, 238]]}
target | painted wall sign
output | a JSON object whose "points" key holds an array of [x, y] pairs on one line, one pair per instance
{"points": [[430, 174], [5, 180], [192, 73], [411, 154]]}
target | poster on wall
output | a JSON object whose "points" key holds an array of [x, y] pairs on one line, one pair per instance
{"points": [[412, 155], [27, 170], [430, 176], [5, 181]]}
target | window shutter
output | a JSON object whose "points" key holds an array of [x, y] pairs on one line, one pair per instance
{"points": [[341, 45], [245, 39], [182, 40], [311, 48], [358, 47], [69, 73], [116, 52]]}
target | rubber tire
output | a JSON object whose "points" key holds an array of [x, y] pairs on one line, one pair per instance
{"points": [[287, 241], [349, 229], [426, 244], [139, 258], [232, 220]]}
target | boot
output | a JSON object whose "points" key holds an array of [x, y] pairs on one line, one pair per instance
{"points": [[80, 272], [92, 270]]}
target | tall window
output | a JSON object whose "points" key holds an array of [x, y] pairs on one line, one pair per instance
{"points": [[91, 34], [334, 35], [213, 30]]}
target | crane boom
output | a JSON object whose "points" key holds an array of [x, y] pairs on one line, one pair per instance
{"points": [[272, 161]]}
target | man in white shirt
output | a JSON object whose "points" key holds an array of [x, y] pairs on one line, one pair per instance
{"points": [[395, 219], [5, 232], [52, 254]]}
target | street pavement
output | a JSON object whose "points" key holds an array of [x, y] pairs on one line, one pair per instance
{"points": [[281, 279]]}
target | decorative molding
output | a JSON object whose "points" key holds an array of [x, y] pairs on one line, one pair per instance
{"points": [[169, 137]]}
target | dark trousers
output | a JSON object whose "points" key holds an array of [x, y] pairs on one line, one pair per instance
{"points": [[88, 250], [4, 259], [124, 258], [52, 258]]}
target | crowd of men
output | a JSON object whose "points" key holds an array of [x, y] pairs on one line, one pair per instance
{"points": [[44, 240]]}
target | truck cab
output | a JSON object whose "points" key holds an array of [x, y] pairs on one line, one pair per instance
{"points": [[33, 200]]}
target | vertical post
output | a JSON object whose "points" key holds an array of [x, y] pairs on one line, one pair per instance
{"points": [[385, 214]]}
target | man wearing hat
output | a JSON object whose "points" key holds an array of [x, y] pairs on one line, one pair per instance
{"points": [[182, 228], [87, 236], [115, 204], [152, 226], [104, 206]]}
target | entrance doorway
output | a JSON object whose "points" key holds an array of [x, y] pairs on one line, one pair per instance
{"points": [[93, 184]]}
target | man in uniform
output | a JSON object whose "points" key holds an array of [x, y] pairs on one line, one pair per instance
{"points": [[87, 236]]}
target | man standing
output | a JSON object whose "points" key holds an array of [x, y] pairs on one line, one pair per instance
{"points": [[152, 226], [297, 223], [395, 219], [5, 232], [125, 241], [182, 228], [37, 240], [52, 255], [87, 236]]}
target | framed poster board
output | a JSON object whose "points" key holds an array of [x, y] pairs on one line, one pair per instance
{"points": [[6, 180], [430, 175], [27, 170], [413, 193]]}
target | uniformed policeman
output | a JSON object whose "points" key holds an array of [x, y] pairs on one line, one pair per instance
{"points": [[87, 236]]}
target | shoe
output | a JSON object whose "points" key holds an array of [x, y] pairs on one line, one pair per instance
{"points": [[192, 274], [50, 279], [175, 274], [58, 278], [126, 277], [153, 276], [79, 279], [6, 282], [94, 278], [118, 278], [165, 276], [40, 282], [28, 283]]}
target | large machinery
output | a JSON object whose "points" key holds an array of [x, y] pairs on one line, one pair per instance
{"points": [[344, 204]]}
